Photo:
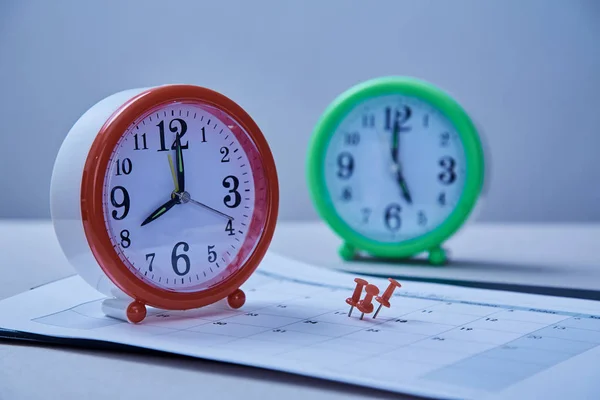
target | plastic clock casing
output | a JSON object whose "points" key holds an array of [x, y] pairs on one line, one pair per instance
{"points": [[65, 190], [474, 155], [71, 212]]}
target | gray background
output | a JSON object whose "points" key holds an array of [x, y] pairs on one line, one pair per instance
{"points": [[527, 70]]}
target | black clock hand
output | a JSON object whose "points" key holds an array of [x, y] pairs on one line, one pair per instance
{"points": [[161, 210], [180, 167], [397, 165]]}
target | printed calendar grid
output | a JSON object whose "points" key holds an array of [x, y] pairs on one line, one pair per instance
{"points": [[437, 339]]}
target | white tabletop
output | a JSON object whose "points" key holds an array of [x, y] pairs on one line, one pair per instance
{"points": [[538, 257]]}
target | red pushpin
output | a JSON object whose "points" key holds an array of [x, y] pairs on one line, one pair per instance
{"points": [[353, 301], [366, 304], [385, 299]]}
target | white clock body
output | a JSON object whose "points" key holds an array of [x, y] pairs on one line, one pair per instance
{"points": [[65, 191]]}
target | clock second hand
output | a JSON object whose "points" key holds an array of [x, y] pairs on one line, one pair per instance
{"points": [[185, 197], [182, 195]]}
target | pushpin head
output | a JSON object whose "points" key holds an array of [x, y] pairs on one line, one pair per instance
{"points": [[384, 299], [360, 283], [366, 304], [394, 282]]}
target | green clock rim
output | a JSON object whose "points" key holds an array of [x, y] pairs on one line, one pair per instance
{"points": [[328, 124]]}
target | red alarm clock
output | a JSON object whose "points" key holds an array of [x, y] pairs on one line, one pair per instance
{"points": [[165, 197]]}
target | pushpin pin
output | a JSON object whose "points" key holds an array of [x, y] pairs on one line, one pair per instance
{"points": [[353, 301], [384, 300], [366, 304]]}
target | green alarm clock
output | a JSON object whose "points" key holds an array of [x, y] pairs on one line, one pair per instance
{"points": [[395, 167]]}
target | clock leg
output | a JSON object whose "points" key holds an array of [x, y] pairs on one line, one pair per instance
{"points": [[347, 252], [125, 310], [437, 256], [236, 299]]}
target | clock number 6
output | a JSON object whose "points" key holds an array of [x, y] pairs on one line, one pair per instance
{"points": [[232, 183], [176, 257], [392, 217]]}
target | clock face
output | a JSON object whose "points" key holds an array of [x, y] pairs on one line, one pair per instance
{"points": [[394, 168], [190, 234]]}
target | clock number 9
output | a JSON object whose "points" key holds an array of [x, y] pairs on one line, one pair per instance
{"points": [[118, 204], [346, 163], [448, 175], [229, 201], [175, 259], [392, 217]]}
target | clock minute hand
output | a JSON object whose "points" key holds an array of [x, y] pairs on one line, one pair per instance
{"points": [[161, 210], [397, 166]]}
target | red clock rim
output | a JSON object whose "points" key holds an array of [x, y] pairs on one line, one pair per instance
{"points": [[92, 183]]}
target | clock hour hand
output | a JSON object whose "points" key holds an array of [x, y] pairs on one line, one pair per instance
{"points": [[161, 210], [180, 166], [397, 166]]}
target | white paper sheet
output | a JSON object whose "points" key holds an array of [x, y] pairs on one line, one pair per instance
{"points": [[435, 340]]}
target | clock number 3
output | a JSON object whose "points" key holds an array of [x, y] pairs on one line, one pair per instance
{"points": [[448, 175], [232, 183]]}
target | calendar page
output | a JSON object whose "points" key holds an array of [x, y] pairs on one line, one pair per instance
{"points": [[434, 340]]}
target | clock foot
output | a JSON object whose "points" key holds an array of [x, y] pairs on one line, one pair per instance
{"points": [[347, 252], [125, 310], [437, 256], [236, 299]]}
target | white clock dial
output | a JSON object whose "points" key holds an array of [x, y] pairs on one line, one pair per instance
{"points": [[190, 246], [395, 168]]}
